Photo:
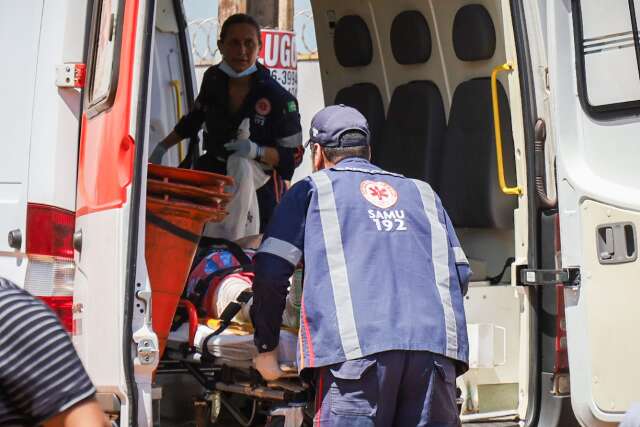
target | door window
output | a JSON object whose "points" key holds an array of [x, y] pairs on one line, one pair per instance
{"points": [[608, 55], [104, 56]]}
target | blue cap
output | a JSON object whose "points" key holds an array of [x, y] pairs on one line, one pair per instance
{"points": [[339, 126]]}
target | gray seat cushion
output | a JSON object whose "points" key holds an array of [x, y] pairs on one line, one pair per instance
{"points": [[352, 42], [366, 98], [413, 132], [410, 38], [474, 36], [469, 176]]}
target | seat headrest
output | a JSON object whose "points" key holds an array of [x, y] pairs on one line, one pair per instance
{"points": [[474, 36], [410, 38], [352, 42]]}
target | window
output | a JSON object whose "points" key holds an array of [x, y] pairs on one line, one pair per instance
{"points": [[608, 55], [104, 54]]}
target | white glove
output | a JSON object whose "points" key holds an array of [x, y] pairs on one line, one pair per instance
{"points": [[158, 153], [244, 147], [268, 366]]}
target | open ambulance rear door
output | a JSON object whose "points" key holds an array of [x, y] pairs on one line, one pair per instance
{"points": [[111, 296], [595, 88]]}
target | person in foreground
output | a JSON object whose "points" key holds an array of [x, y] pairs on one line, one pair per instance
{"points": [[42, 380], [383, 330]]}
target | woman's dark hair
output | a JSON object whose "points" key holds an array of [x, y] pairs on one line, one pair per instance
{"points": [[239, 18]]}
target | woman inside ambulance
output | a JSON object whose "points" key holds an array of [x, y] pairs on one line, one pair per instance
{"points": [[240, 88]]}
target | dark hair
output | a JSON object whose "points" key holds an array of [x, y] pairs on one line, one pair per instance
{"points": [[334, 155], [239, 18]]}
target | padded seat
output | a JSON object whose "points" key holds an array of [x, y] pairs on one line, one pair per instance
{"points": [[413, 132], [469, 186], [469, 178], [366, 98]]}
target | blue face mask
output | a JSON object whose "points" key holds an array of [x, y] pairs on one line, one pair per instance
{"points": [[226, 68]]}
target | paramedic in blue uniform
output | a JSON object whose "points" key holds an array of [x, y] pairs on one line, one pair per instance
{"points": [[383, 330], [238, 88]]}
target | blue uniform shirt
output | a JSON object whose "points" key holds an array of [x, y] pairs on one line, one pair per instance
{"points": [[383, 268]]}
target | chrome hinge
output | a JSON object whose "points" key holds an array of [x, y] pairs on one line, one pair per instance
{"points": [[145, 337], [565, 276], [147, 351]]}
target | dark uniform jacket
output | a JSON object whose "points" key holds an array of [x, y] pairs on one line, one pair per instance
{"points": [[275, 122]]}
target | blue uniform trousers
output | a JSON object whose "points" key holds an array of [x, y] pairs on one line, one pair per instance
{"points": [[394, 388]]}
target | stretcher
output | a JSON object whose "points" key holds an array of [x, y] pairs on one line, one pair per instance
{"points": [[219, 353]]}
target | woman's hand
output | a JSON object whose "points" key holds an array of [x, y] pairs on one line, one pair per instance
{"points": [[163, 146], [243, 147]]}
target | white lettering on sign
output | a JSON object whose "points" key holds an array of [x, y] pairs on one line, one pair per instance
{"points": [[271, 46], [285, 48], [278, 54]]}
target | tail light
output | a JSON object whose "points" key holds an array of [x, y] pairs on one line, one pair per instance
{"points": [[62, 306], [51, 270]]}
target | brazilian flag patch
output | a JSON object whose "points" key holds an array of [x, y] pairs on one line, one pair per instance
{"points": [[292, 107]]}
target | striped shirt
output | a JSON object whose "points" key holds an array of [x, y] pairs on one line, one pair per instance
{"points": [[40, 372]]}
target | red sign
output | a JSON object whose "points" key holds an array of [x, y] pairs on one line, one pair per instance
{"points": [[279, 55]]}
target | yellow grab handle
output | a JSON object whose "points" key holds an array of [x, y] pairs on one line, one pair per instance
{"points": [[175, 84], [515, 191]]}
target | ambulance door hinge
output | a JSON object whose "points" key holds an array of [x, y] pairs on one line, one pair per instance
{"points": [[565, 276], [147, 351], [71, 75]]}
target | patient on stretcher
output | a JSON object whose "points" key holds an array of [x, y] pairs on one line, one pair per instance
{"points": [[223, 274]]}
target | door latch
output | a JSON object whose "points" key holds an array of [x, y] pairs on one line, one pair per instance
{"points": [[565, 276]]}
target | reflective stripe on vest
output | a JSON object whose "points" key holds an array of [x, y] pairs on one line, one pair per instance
{"points": [[440, 257], [337, 266], [282, 249]]}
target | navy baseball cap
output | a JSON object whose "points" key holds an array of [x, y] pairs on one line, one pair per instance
{"points": [[339, 126]]}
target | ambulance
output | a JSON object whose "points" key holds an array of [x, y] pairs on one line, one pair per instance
{"points": [[523, 116]]}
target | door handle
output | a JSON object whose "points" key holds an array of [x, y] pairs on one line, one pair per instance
{"points": [[616, 243]]}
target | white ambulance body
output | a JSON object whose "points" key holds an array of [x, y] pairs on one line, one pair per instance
{"points": [[553, 343]]}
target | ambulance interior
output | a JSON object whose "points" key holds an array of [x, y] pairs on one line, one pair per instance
{"points": [[420, 73]]}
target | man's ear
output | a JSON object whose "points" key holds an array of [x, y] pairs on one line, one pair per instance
{"points": [[318, 157]]}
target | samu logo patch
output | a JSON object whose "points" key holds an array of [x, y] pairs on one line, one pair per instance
{"points": [[379, 193]]}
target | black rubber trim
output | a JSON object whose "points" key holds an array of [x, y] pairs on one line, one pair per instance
{"points": [[530, 114], [599, 112], [185, 47], [634, 28], [172, 228], [134, 218]]}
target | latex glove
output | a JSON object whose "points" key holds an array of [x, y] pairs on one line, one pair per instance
{"points": [[268, 366], [244, 147], [158, 153]]}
